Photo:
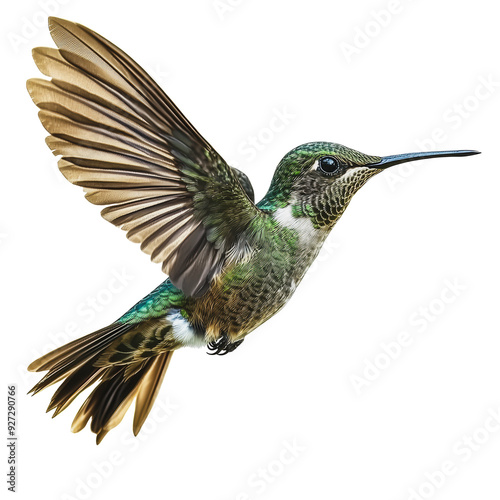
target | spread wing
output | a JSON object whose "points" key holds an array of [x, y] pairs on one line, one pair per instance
{"points": [[126, 143]]}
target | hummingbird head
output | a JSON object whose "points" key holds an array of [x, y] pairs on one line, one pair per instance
{"points": [[318, 179]]}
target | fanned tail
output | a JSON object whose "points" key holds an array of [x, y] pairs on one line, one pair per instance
{"points": [[118, 384]]}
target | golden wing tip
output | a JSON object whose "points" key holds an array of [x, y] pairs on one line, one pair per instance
{"points": [[53, 21], [33, 367]]}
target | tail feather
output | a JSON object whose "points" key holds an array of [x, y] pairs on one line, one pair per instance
{"points": [[149, 388], [118, 384], [74, 384], [49, 360], [70, 357]]}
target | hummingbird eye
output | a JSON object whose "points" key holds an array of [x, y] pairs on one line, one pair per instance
{"points": [[328, 165]]}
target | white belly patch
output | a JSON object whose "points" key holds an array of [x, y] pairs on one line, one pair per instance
{"points": [[184, 332]]}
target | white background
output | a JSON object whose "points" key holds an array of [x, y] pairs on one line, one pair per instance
{"points": [[231, 67]]}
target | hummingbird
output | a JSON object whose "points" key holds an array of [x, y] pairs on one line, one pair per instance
{"points": [[230, 263]]}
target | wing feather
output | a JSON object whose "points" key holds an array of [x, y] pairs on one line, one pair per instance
{"points": [[125, 142]]}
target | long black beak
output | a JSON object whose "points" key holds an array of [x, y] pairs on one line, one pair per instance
{"points": [[389, 161]]}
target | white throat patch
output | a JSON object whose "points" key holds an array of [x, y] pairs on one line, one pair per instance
{"points": [[308, 234]]}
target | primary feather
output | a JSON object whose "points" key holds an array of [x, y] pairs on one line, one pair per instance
{"points": [[126, 143], [232, 264]]}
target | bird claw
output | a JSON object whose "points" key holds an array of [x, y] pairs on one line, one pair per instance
{"points": [[222, 346]]}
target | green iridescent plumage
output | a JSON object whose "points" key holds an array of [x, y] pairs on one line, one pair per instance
{"points": [[232, 264], [154, 305]]}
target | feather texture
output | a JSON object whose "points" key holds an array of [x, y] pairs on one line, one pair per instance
{"points": [[126, 361], [129, 147]]}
